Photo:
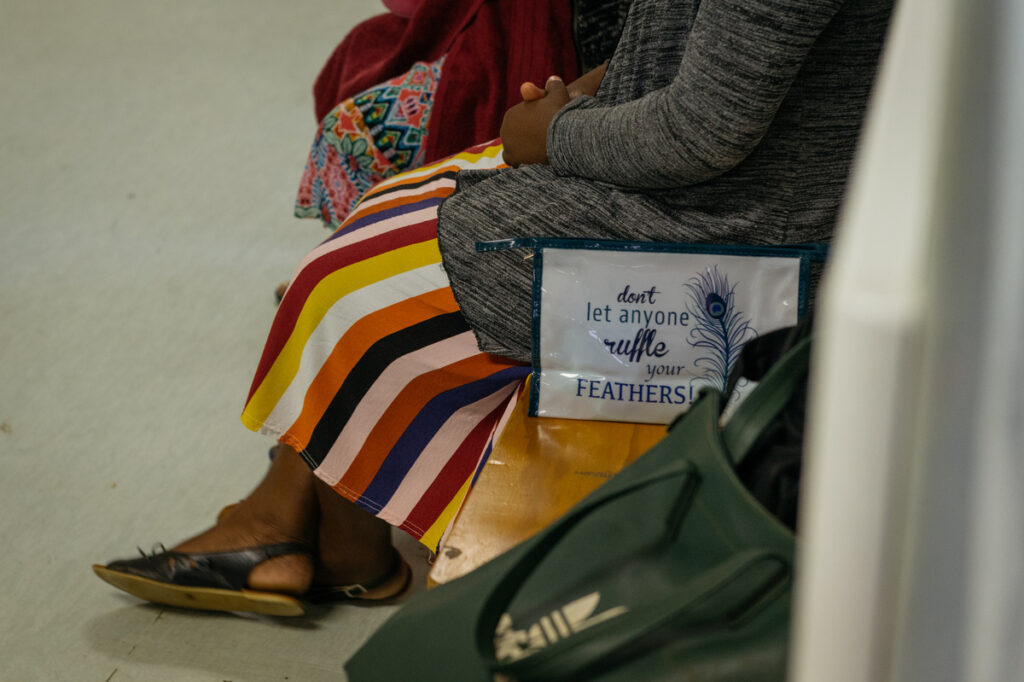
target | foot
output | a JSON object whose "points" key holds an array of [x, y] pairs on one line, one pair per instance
{"points": [[378, 567], [281, 509], [244, 527], [212, 581]]}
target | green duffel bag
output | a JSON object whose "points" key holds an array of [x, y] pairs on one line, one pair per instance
{"points": [[670, 571]]}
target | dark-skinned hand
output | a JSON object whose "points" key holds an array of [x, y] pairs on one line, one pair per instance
{"points": [[524, 131], [523, 122]]}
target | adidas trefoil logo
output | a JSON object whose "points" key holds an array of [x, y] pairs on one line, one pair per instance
{"points": [[511, 644]]}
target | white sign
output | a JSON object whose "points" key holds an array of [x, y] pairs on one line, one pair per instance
{"points": [[623, 334]]}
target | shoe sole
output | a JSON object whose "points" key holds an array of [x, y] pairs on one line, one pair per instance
{"points": [[202, 598]]}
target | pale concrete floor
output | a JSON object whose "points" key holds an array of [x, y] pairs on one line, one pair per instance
{"points": [[149, 156]]}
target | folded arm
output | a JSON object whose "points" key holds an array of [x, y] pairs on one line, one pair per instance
{"points": [[740, 60]]}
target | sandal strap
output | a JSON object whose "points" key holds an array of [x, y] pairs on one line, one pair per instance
{"points": [[319, 593]]}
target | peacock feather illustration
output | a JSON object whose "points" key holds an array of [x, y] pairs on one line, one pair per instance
{"points": [[719, 327]]}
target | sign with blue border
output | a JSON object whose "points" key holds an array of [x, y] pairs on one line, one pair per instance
{"points": [[631, 331]]}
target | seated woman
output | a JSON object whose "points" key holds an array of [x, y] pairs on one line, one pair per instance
{"points": [[423, 83], [402, 91], [386, 375]]}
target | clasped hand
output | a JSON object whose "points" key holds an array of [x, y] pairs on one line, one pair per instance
{"points": [[524, 130]]}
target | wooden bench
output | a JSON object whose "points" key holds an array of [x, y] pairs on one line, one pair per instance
{"points": [[538, 469]]}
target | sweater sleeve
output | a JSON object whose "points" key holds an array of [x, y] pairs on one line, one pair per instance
{"points": [[740, 59]]}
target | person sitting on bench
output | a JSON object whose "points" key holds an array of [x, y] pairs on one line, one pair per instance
{"points": [[385, 375]]}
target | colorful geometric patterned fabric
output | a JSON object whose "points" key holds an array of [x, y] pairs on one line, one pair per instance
{"points": [[370, 370], [365, 139]]}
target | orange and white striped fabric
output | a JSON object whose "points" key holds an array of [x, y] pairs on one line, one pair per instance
{"points": [[370, 370]]}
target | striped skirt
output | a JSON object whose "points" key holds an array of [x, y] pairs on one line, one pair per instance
{"points": [[371, 372]]}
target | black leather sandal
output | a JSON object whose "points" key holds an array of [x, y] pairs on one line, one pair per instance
{"points": [[391, 585], [213, 581], [216, 581]]}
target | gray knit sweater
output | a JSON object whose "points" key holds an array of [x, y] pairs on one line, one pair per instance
{"points": [[718, 121]]}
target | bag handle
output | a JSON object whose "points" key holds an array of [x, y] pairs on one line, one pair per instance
{"points": [[721, 595], [757, 411]]}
